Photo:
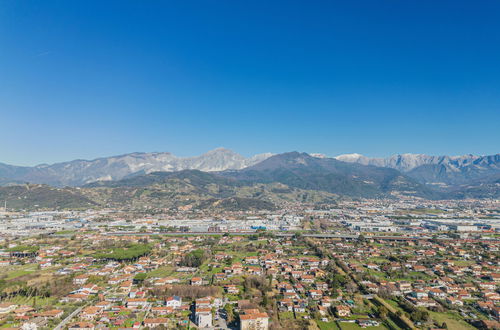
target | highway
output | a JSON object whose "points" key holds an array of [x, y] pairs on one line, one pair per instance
{"points": [[280, 234]]}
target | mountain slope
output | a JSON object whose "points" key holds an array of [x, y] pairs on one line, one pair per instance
{"points": [[193, 188], [303, 171], [35, 196]]}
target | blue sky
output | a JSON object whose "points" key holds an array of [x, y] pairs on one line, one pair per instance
{"points": [[84, 79]]}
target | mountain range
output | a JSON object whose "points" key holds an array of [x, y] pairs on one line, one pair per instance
{"points": [[439, 170], [80, 172], [224, 179]]}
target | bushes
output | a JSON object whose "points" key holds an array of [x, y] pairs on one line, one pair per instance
{"points": [[337, 281], [416, 314]]}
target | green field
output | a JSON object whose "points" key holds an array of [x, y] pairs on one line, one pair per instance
{"points": [[355, 326], [327, 325], [163, 271], [30, 301], [12, 272], [453, 321], [286, 316]]}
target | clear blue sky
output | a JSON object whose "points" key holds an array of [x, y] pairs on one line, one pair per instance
{"points": [[84, 79]]}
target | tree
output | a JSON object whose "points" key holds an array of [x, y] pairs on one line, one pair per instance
{"points": [[230, 312], [337, 280], [194, 258], [383, 312], [265, 301], [139, 278]]}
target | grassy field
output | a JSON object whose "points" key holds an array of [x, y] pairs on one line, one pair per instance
{"points": [[453, 321], [161, 272], [30, 301], [393, 309], [12, 272], [377, 260], [394, 304], [327, 325], [463, 262], [355, 326], [413, 276], [286, 316]]}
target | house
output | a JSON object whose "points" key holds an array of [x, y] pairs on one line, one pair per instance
{"points": [[196, 281], [137, 303], [286, 305], [252, 260], [162, 310], [488, 285], [51, 314], [104, 305], [45, 264], [174, 302], [454, 301], [307, 278], [81, 326], [300, 306], [80, 279], [155, 322], [118, 279], [7, 308], [315, 294], [438, 293], [404, 286], [342, 311], [325, 302], [23, 310], [75, 297], [203, 317], [203, 303], [254, 321], [232, 289], [90, 313], [89, 289], [165, 281]]}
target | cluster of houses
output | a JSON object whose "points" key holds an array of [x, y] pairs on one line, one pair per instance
{"points": [[107, 293], [461, 274]]}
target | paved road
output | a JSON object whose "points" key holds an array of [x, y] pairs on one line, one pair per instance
{"points": [[221, 322], [61, 325]]}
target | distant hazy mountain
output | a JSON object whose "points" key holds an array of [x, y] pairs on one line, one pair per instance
{"points": [[233, 181], [438, 170], [80, 172], [293, 170]]}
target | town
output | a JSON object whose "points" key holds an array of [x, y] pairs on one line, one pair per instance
{"points": [[249, 165], [375, 264]]}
